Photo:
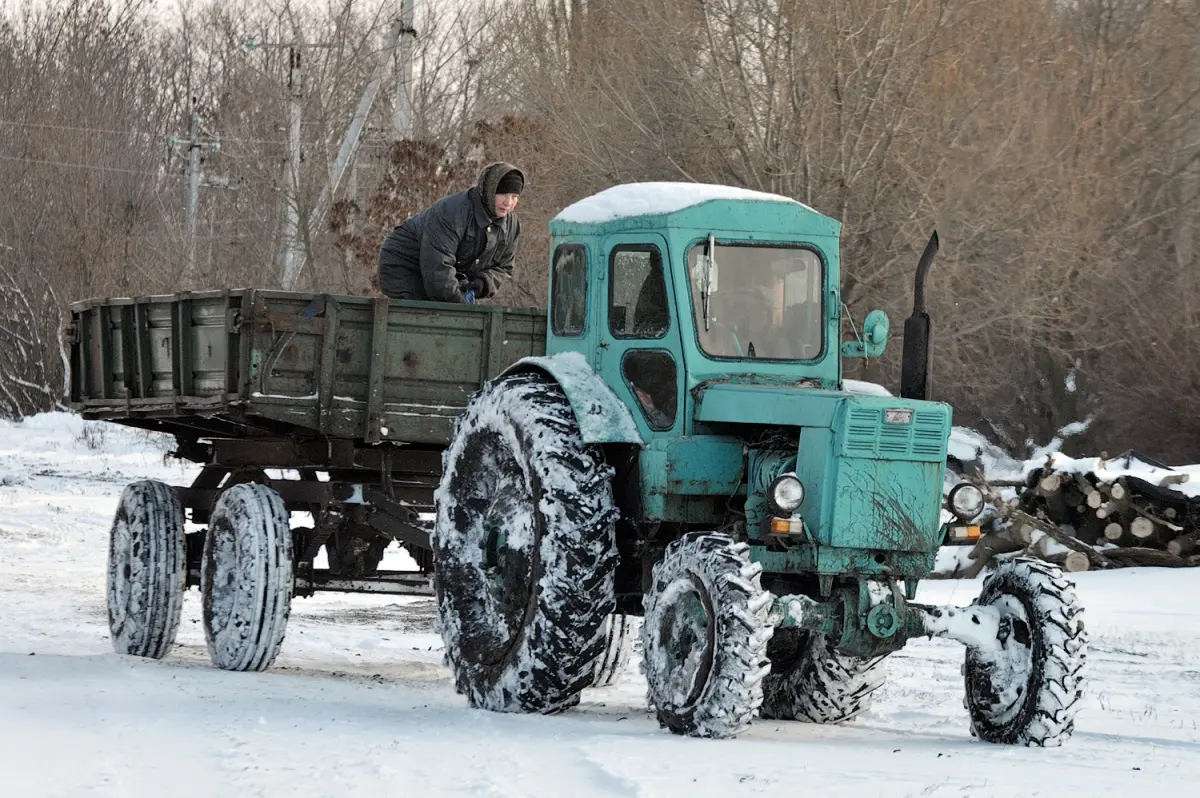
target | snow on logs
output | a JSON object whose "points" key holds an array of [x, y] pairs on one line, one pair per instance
{"points": [[1090, 514]]}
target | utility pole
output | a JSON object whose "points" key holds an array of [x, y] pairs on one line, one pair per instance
{"points": [[293, 240], [402, 107], [195, 142], [193, 207], [346, 151]]}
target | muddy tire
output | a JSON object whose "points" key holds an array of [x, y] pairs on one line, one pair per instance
{"points": [[146, 570], [524, 549], [619, 634], [705, 635], [811, 682], [1028, 690], [246, 578]]}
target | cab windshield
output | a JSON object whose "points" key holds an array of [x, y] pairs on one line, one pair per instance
{"points": [[757, 301]]}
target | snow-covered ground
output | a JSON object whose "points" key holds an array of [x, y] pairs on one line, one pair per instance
{"points": [[359, 703]]}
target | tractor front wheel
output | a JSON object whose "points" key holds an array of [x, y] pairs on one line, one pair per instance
{"points": [[704, 636], [1025, 688]]}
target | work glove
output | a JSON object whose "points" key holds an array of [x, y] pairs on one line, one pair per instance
{"points": [[469, 287]]}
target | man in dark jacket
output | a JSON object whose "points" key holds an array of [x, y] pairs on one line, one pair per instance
{"points": [[459, 249]]}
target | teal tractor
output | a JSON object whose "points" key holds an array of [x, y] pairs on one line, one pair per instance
{"points": [[685, 451]]}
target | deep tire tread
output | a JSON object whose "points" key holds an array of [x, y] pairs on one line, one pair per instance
{"points": [[733, 691], [1046, 716], [555, 657], [249, 636], [144, 609], [619, 632], [817, 684]]}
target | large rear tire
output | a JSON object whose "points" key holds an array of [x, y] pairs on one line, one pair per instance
{"points": [[524, 549], [246, 578], [146, 574], [704, 636], [812, 682], [1027, 689]]}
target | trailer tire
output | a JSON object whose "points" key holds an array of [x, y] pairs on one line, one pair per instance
{"points": [[524, 549], [619, 634], [146, 570], [246, 578], [705, 635], [1029, 691], [811, 682]]}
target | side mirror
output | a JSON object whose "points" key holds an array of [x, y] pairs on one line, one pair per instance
{"points": [[875, 337]]}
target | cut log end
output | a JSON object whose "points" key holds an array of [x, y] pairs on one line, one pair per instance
{"points": [[1050, 484], [1183, 546], [1076, 562], [1142, 528]]}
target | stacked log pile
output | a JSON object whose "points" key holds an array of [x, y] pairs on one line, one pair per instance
{"points": [[1087, 519]]}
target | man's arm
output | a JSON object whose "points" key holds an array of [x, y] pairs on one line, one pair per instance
{"points": [[439, 243], [493, 278]]}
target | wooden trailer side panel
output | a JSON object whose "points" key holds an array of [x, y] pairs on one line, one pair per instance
{"points": [[246, 363], [356, 367]]}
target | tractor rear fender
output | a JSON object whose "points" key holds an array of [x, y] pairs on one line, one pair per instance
{"points": [[602, 417]]}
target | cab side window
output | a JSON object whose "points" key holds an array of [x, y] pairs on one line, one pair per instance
{"points": [[650, 375], [568, 303], [637, 306]]}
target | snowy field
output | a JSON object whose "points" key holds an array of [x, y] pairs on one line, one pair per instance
{"points": [[359, 703]]}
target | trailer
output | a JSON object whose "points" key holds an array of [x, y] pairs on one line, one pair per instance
{"points": [[355, 397]]}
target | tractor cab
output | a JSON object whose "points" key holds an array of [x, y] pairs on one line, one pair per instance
{"points": [[714, 312], [672, 285]]}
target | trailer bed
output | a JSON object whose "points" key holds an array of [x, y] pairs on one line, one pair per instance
{"points": [[253, 363]]}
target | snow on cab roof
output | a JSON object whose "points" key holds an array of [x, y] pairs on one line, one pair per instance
{"points": [[652, 199]]}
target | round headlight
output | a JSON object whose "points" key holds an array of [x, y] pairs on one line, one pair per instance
{"points": [[786, 493], [966, 501]]}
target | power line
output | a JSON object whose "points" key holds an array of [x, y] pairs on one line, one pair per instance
{"points": [[168, 173], [92, 167], [110, 131]]}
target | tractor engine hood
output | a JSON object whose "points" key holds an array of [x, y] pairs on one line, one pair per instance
{"points": [[741, 403], [871, 466]]}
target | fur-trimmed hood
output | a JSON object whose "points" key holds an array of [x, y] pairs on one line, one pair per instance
{"points": [[489, 178]]}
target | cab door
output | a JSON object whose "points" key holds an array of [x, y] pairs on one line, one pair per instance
{"points": [[638, 338]]}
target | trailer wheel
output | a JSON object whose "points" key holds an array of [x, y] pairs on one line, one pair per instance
{"points": [[812, 682], [1025, 690], [146, 570], [246, 578], [705, 635], [619, 633], [524, 549]]}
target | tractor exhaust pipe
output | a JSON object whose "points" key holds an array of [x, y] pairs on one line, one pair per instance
{"points": [[918, 333]]}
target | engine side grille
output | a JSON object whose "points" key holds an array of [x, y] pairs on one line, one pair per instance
{"points": [[866, 435]]}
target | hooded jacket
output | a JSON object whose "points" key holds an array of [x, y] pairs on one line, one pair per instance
{"points": [[423, 256]]}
